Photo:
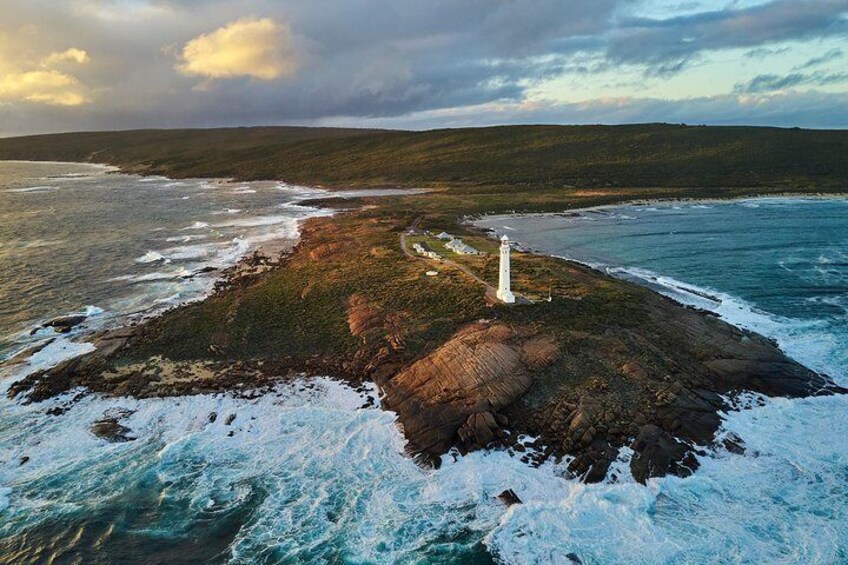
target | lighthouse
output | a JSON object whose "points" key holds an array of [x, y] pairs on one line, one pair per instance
{"points": [[504, 293]]}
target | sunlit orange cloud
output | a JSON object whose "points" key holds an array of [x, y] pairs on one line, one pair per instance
{"points": [[45, 84], [250, 47]]}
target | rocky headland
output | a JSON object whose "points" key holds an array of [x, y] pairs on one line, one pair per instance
{"points": [[603, 365]]}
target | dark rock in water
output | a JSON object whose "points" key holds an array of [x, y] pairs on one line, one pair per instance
{"points": [[733, 444], [574, 558], [23, 460], [57, 411], [212, 417], [509, 497], [110, 430], [230, 419], [658, 454], [62, 325], [203, 271], [426, 460]]}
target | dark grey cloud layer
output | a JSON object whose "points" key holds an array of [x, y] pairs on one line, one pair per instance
{"points": [[832, 55], [667, 46], [772, 82], [397, 59]]}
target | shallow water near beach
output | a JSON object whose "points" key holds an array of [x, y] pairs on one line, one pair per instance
{"points": [[307, 473]]}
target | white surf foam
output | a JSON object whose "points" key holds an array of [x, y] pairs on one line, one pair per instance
{"points": [[256, 221], [811, 342], [31, 189], [777, 504], [155, 276], [335, 476], [186, 238], [150, 257]]}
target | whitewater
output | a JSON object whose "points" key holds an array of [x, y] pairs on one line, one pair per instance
{"points": [[309, 472]]}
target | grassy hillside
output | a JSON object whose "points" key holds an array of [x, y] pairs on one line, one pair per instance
{"points": [[542, 157]]}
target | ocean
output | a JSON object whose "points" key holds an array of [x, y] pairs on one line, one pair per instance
{"points": [[80, 239], [306, 475]]}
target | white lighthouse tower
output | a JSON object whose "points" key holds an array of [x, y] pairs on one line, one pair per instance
{"points": [[504, 293]]}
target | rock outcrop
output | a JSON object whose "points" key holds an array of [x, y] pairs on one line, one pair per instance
{"points": [[452, 396]]}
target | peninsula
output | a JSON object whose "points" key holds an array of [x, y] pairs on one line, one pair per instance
{"points": [[583, 367]]}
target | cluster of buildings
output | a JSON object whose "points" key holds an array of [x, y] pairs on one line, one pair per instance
{"points": [[453, 244], [422, 250], [504, 292], [457, 245]]}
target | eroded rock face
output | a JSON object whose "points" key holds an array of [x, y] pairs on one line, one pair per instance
{"points": [[362, 316], [658, 454], [452, 396]]}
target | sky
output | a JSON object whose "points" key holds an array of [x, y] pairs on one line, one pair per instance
{"points": [[71, 65]]}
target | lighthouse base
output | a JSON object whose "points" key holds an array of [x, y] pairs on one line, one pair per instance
{"points": [[506, 297]]}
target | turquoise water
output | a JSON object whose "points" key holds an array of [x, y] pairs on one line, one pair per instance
{"points": [[305, 474], [779, 265]]}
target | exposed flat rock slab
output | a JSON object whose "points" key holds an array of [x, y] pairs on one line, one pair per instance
{"points": [[453, 395]]}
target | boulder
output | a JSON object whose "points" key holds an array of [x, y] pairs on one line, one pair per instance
{"points": [[110, 430], [658, 454], [64, 324], [509, 497], [479, 430]]}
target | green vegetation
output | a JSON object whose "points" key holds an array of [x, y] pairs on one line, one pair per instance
{"points": [[496, 161], [301, 315]]}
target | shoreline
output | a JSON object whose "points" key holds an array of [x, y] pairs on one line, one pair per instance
{"points": [[90, 164], [373, 336], [255, 259], [655, 419], [667, 202], [708, 300], [318, 199]]}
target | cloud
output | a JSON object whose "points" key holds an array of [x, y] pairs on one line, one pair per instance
{"points": [[72, 55], [763, 52], [404, 61], [47, 85], [668, 46], [831, 55], [256, 48], [774, 82]]}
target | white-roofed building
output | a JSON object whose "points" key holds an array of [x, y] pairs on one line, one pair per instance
{"points": [[460, 247]]}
